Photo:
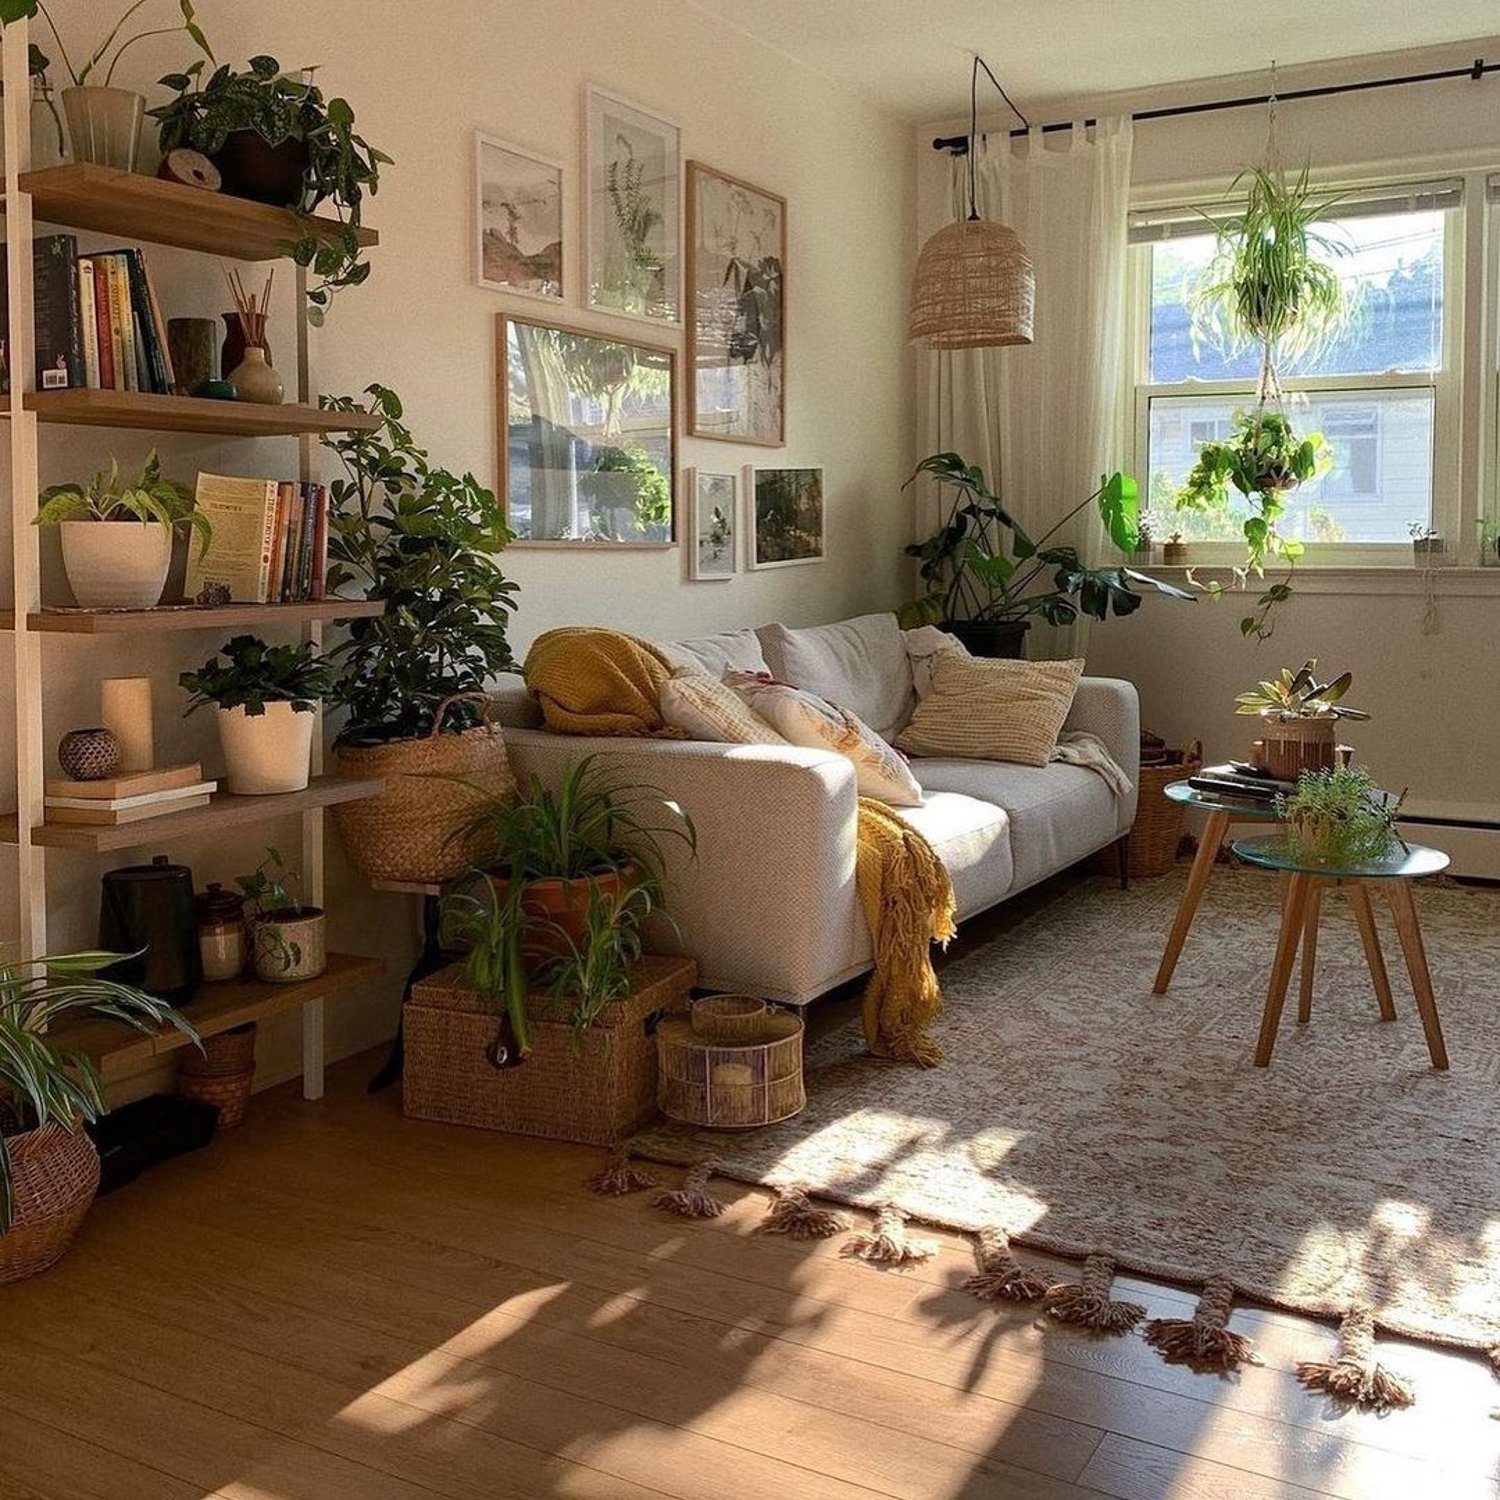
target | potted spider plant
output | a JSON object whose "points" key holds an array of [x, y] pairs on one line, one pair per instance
{"points": [[117, 538], [49, 1169], [1299, 719]]}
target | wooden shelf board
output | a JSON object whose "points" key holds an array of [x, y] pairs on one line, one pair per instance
{"points": [[223, 811], [136, 207], [150, 413], [190, 617], [117, 1051]]}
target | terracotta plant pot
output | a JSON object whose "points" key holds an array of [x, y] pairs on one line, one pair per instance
{"points": [[1288, 749], [116, 564], [556, 903], [54, 1176], [269, 752], [1174, 554], [290, 946], [254, 169]]}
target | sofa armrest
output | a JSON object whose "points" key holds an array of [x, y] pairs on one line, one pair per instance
{"points": [[769, 905], [1109, 708]]}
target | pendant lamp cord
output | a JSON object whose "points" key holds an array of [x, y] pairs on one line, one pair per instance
{"points": [[979, 63]]}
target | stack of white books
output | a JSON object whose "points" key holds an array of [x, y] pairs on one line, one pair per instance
{"points": [[131, 798]]}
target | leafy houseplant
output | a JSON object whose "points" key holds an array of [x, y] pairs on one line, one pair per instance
{"points": [[48, 1166], [266, 697], [117, 538], [986, 577], [286, 935], [625, 479], [1426, 544], [276, 139], [1299, 717], [1339, 819], [593, 970]]}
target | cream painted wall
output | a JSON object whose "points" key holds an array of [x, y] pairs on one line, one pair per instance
{"points": [[421, 78]]}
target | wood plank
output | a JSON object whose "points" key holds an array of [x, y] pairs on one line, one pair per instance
{"points": [[37, 1462], [1139, 1471], [119, 1052], [143, 411], [136, 207], [224, 810], [174, 617]]}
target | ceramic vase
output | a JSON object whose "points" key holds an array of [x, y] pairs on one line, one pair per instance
{"points": [[255, 380], [104, 125], [190, 341], [268, 752], [289, 946], [116, 564]]}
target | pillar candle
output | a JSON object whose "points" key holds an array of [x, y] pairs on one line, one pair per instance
{"points": [[125, 710]]}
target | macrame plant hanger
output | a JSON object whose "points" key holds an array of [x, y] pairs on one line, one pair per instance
{"points": [[1268, 387]]}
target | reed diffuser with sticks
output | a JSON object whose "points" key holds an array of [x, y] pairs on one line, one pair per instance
{"points": [[251, 376]]}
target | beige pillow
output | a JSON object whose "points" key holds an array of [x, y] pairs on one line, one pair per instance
{"points": [[710, 710], [812, 722], [978, 708]]}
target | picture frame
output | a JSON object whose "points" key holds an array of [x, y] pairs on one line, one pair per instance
{"points": [[784, 516], [736, 311], [586, 434], [520, 241], [713, 525], [632, 209]]}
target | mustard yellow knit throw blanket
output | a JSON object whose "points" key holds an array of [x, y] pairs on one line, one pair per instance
{"points": [[908, 902], [595, 681]]}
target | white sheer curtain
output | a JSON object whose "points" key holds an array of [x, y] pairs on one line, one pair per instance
{"points": [[1045, 420]]}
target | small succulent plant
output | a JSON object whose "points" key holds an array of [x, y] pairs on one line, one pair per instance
{"points": [[1299, 695]]}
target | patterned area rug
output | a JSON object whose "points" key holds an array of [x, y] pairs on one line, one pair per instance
{"points": [[1082, 1113]]}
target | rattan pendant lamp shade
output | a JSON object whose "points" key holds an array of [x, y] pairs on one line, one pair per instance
{"points": [[974, 286]]}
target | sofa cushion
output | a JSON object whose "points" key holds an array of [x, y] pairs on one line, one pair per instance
{"points": [[709, 709], [728, 651], [1058, 813], [972, 838], [859, 664]]}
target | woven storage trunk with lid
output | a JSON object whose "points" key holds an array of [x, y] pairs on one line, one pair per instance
{"points": [[596, 1090]]}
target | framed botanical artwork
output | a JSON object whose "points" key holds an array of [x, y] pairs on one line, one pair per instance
{"points": [[587, 436], [715, 525], [632, 209], [784, 516], [518, 218], [736, 309]]}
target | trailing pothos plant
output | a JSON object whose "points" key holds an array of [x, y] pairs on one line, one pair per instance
{"points": [[981, 564], [424, 542], [149, 498], [342, 167]]}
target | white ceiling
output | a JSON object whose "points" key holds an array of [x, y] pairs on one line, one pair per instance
{"points": [[912, 56]]}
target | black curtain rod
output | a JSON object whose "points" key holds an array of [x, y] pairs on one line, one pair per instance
{"points": [[959, 144]]}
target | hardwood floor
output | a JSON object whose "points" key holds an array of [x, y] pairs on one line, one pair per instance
{"points": [[332, 1303]]}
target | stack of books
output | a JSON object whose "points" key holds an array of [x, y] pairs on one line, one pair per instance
{"points": [[270, 541], [99, 322], [1233, 782], [132, 798]]}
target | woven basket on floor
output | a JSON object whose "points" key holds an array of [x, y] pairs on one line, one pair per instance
{"points": [[222, 1074], [731, 1085], [405, 833], [229, 1093], [731, 1018], [54, 1176], [1157, 830], [596, 1089]]}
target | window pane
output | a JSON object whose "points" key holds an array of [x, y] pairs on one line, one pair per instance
{"points": [[1394, 267], [1380, 483]]}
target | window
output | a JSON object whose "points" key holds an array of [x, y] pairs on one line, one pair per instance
{"points": [[1382, 396]]}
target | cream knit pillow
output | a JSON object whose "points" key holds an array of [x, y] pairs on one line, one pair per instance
{"points": [[810, 721], [979, 708], [710, 710]]}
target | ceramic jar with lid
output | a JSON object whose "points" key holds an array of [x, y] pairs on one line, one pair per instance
{"points": [[220, 919]]}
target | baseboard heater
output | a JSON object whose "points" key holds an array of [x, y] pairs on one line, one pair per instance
{"points": [[1471, 842]]}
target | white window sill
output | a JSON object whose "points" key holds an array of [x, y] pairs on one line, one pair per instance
{"points": [[1314, 578]]}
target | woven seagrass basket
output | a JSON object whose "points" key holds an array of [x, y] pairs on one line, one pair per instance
{"points": [[222, 1074], [1157, 831], [405, 833], [54, 1176], [731, 1085]]}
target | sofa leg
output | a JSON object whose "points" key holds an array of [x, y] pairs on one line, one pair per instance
{"points": [[1122, 853]]}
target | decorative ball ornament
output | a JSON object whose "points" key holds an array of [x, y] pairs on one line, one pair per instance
{"points": [[88, 754]]}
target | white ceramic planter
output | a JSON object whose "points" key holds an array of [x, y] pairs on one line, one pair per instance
{"points": [[116, 564], [286, 949], [269, 752]]}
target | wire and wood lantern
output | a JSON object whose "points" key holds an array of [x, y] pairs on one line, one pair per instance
{"points": [[974, 286], [731, 1082]]}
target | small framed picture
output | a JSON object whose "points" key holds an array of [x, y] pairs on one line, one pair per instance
{"points": [[632, 209], [784, 516], [715, 525], [518, 219]]}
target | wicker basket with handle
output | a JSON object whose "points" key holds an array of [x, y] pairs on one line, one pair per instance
{"points": [[54, 1176], [1157, 830], [406, 833]]}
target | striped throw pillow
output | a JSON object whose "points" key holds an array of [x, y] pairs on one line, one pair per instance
{"points": [[711, 710], [978, 708]]}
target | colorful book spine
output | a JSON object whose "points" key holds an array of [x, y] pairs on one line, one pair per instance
{"points": [[58, 325], [125, 320], [278, 544], [309, 533], [294, 545], [89, 319], [109, 337], [159, 324], [319, 587]]}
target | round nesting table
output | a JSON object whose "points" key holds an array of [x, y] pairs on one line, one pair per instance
{"points": [[1301, 906]]}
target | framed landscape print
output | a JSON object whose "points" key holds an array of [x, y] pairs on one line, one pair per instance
{"points": [[715, 525], [518, 219], [736, 309], [632, 209], [785, 516], [587, 436]]}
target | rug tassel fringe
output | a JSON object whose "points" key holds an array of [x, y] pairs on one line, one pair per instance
{"points": [[795, 1215], [1086, 1303], [1001, 1277], [1356, 1376], [620, 1176], [1204, 1342], [887, 1242], [692, 1200]]}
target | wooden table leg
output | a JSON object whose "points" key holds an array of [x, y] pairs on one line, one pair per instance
{"points": [[1369, 935], [1309, 951], [1203, 865], [1410, 933], [1292, 916]]}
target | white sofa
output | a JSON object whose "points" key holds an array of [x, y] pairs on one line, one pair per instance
{"points": [[769, 906]]}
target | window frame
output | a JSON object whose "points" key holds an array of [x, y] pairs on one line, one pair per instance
{"points": [[1454, 513]]}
